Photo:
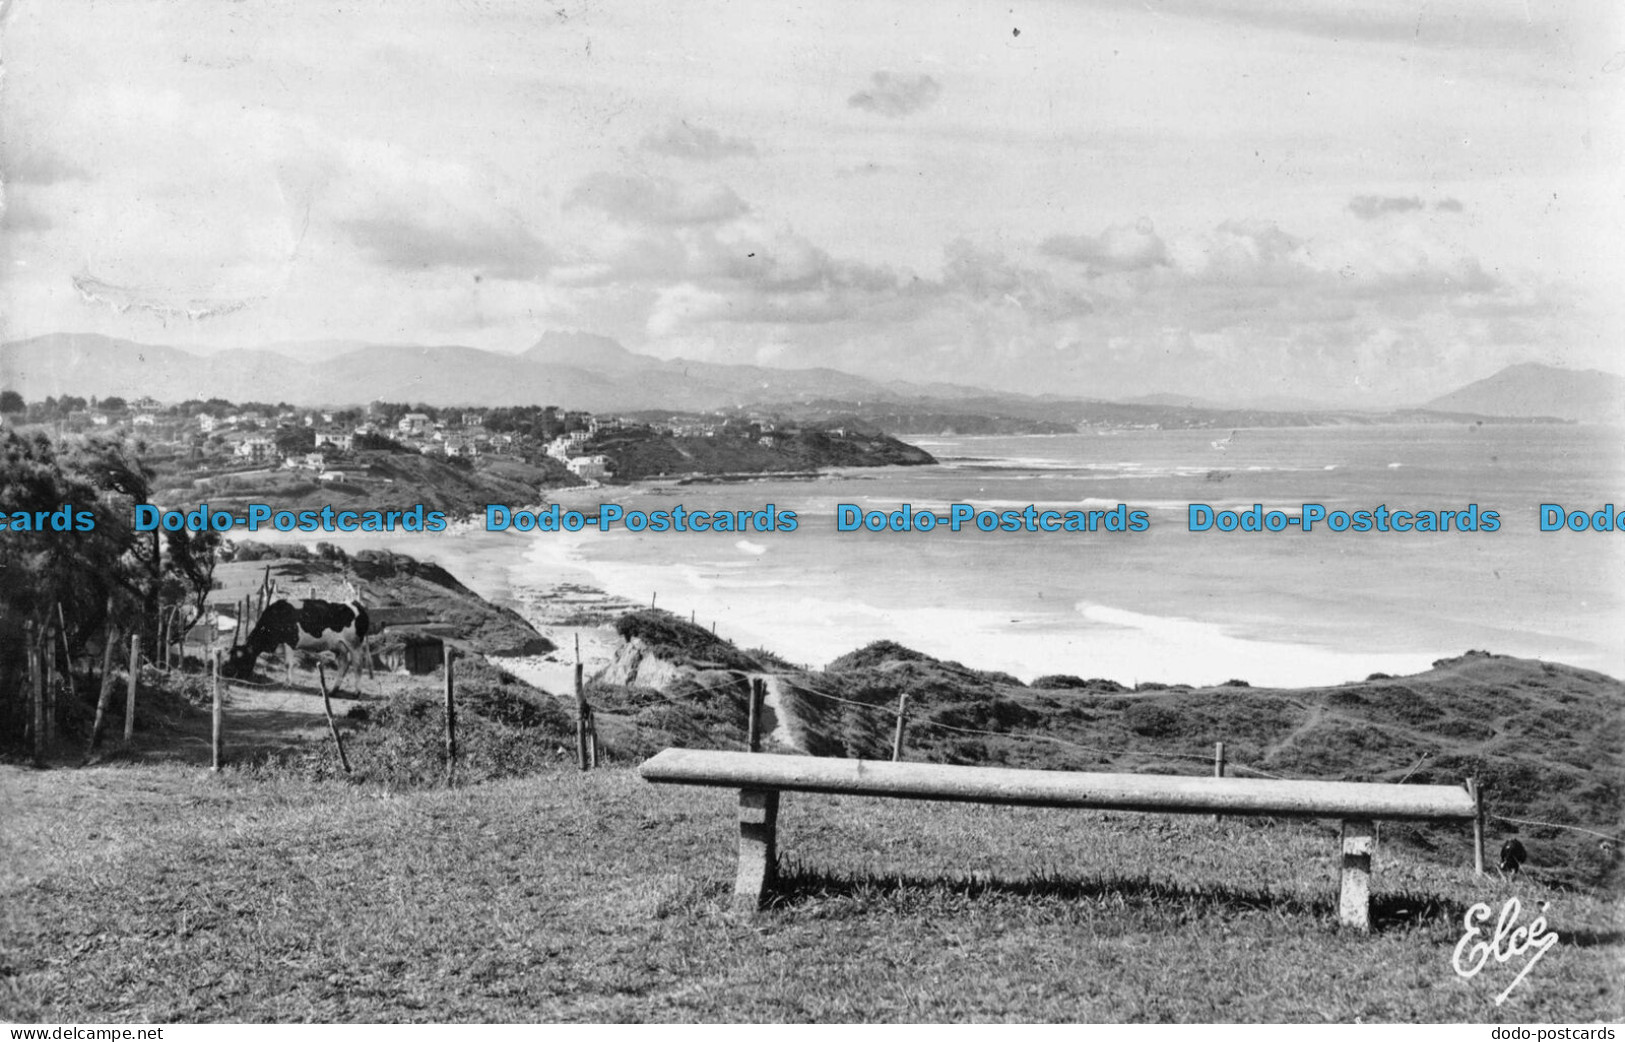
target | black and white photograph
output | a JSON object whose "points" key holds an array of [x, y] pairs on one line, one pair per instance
{"points": [[589, 512]]}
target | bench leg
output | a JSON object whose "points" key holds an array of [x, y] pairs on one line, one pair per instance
{"points": [[758, 847], [1354, 903]]}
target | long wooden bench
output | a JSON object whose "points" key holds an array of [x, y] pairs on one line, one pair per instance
{"points": [[760, 777]]}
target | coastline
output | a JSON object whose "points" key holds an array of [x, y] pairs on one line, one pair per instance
{"points": [[581, 598], [1168, 608], [1087, 640]]}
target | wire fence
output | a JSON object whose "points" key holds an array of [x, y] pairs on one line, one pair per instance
{"points": [[1030, 735], [895, 712], [1614, 839]]}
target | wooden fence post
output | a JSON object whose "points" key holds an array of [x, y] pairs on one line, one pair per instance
{"points": [[67, 664], [129, 694], [48, 652], [897, 739], [217, 753], [327, 707], [758, 691], [451, 717], [106, 693], [42, 720], [581, 721], [36, 693], [174, 646], [1218, 771], [1477, 794]]}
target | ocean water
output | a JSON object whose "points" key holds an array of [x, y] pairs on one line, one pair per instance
{"points": [[1166, 604]]}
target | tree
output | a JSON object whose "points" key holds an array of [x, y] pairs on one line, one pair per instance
{"points": [[189, 560], [292, 441], [378, 443], [11, 401], [70, 570]]}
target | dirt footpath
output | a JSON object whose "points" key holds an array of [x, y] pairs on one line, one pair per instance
{"points": [[270, 715]]}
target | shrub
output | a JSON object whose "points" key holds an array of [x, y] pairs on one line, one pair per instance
{"points": [[1152, 720], [502, 732]]}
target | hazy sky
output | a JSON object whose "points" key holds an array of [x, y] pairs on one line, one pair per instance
{"points": [[1360, 202]]}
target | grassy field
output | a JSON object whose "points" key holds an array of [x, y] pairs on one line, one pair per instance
{"points": [[1545, 740], [144, 888], [164, 893]]}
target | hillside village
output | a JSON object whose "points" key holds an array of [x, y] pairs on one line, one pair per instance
{"points": [[207, 447]]}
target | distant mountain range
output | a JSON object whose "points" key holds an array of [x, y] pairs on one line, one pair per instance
{"points": [[585, 371], [575, 370], [1275, 402], [1531, 389]]}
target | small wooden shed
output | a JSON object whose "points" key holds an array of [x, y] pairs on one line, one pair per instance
{"points": [[424, 654]]}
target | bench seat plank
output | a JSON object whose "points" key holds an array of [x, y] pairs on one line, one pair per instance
{"points": [[1153, 793]]}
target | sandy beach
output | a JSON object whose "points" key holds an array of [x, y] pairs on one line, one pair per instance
{"points": [[578, 620], [570, 615], [1168, 605]]}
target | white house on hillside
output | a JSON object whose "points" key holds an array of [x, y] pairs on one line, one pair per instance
{"points": [[592, 468], [256, 447]]}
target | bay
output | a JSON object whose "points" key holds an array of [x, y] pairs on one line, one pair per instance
{"points": [[1167, 604]]}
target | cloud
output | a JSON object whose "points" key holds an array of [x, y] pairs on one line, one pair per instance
{"points": [[122, 299], [1250, 252], [685, 140], [896, 96], [37, 166], [1118, 248], [657, 200], [753, 275], [1371, 207], [1455, 25], [406, 244], [982, 276], [18, 214], [1244, 305]]}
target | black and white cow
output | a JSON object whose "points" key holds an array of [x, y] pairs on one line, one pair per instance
{"points": [[304, 625]]}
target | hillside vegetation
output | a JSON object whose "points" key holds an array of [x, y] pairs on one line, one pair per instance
{"points": [[387, 583], [1544, 740], [373, 480], [283, 889], [161, 894], [645, 454]]}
